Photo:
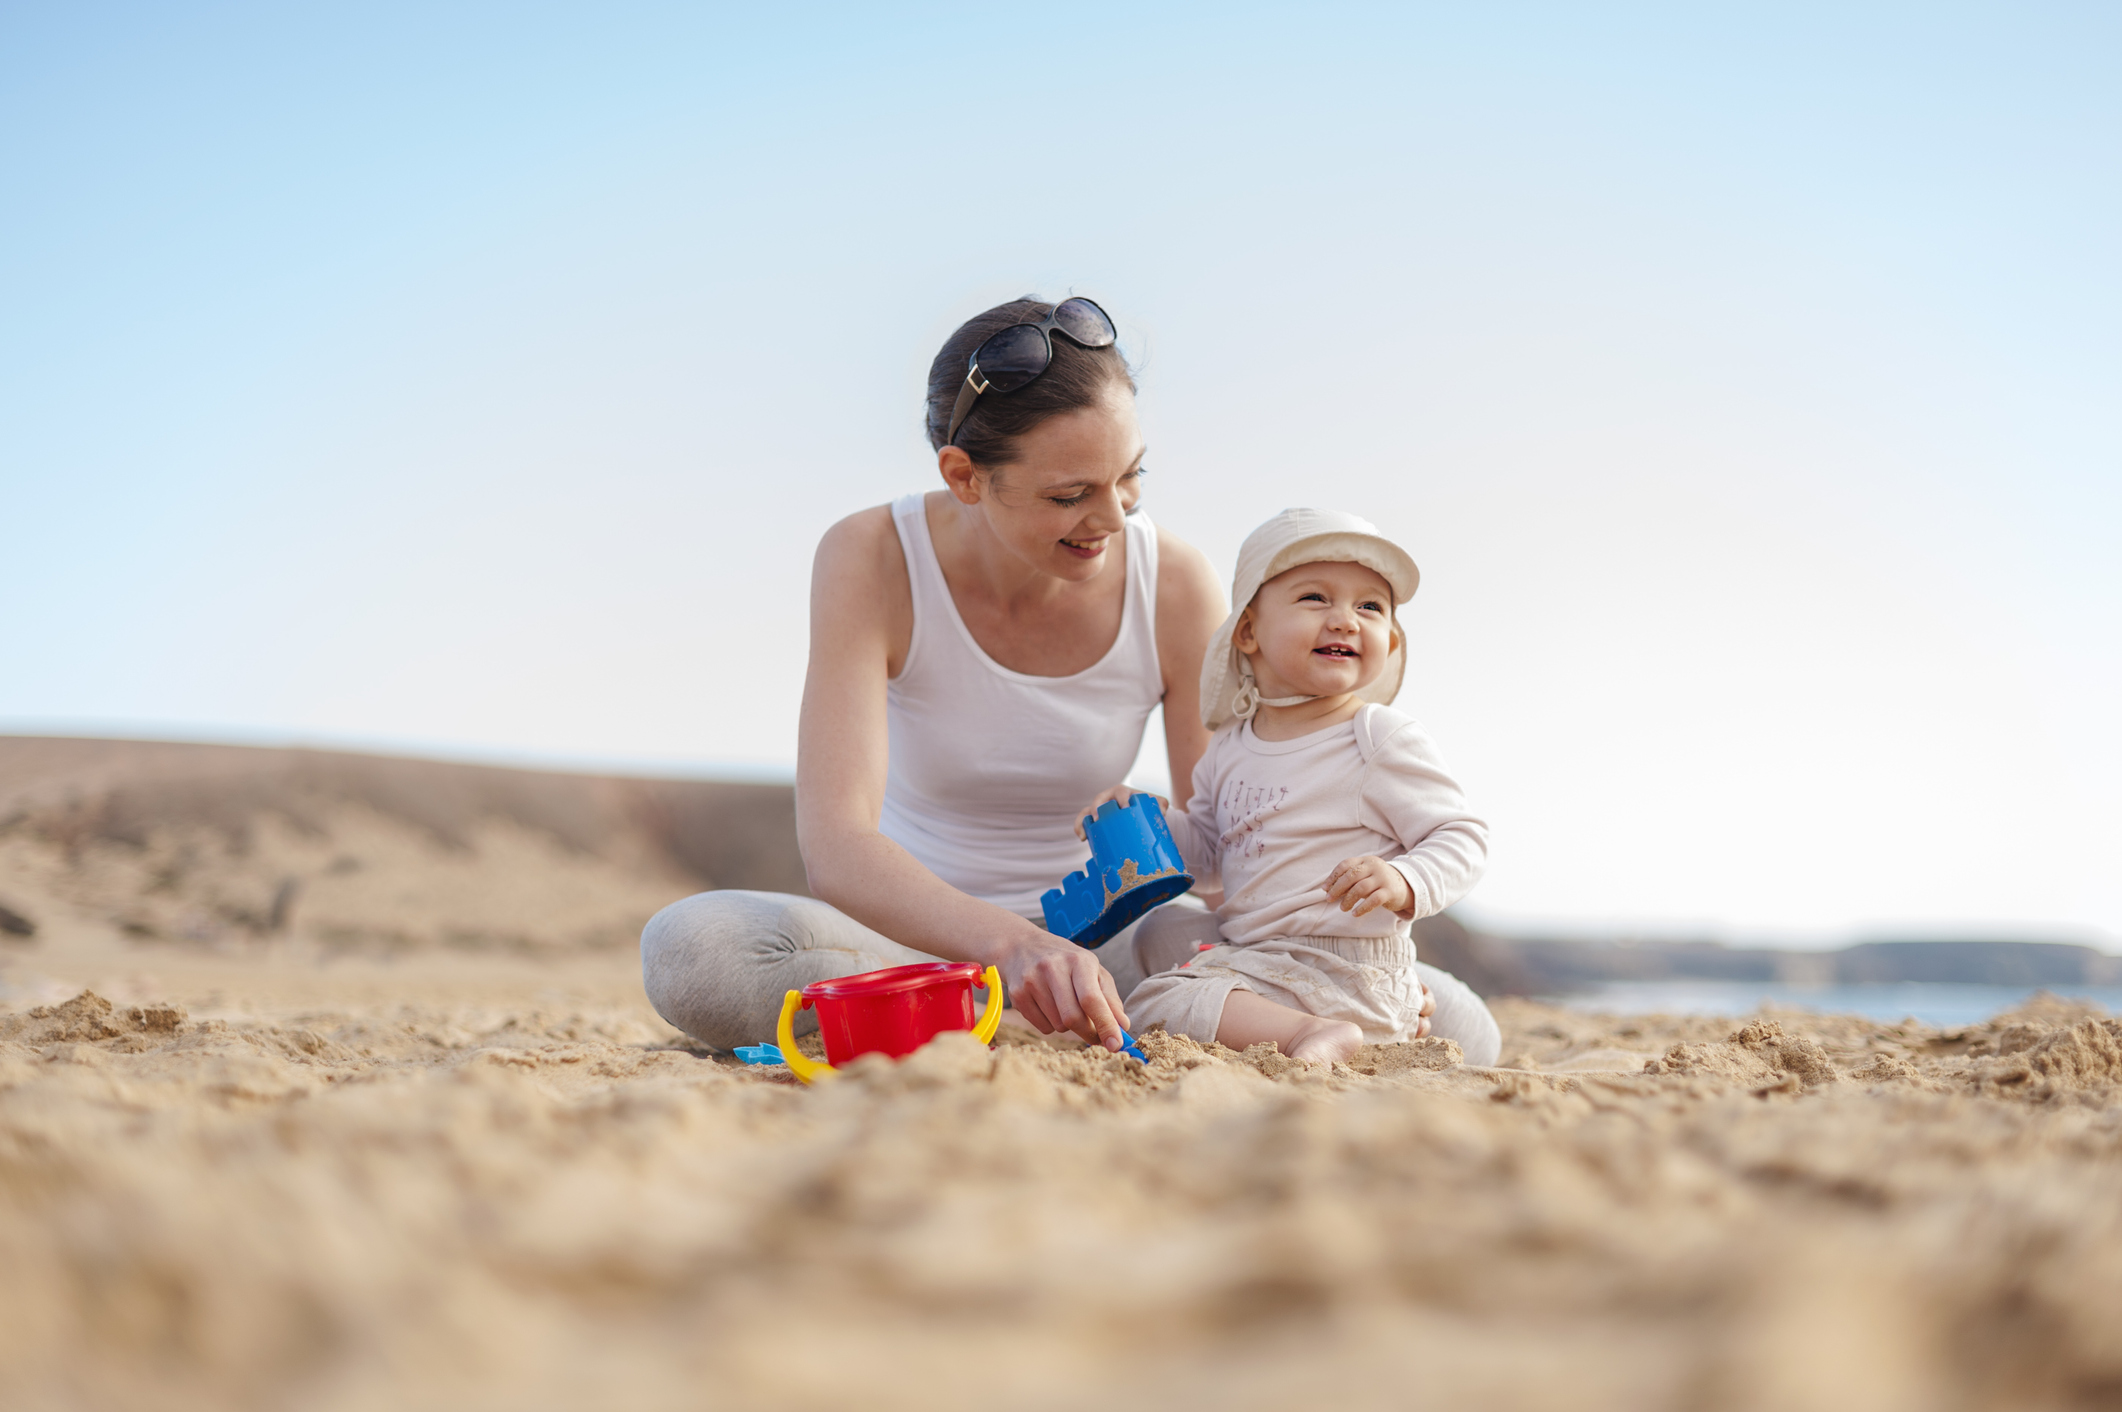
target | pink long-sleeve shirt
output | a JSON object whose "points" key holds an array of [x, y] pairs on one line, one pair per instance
{"points": [[1271, 819]]}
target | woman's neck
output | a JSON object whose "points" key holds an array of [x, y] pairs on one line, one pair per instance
{"points": [[975, 561], [1027, 621]]}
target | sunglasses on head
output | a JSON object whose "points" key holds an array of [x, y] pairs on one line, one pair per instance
{"points": [[1019, 353]]}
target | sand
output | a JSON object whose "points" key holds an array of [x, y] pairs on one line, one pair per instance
{"points": [[267, 1169], [528, 1192]]}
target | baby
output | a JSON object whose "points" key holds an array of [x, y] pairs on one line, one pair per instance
{"points": [[1325, 814]]}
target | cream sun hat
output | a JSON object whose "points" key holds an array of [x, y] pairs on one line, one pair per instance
{"points": [[1291, 538]]}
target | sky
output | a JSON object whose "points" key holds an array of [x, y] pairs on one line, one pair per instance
{"points": [[476, 380]]}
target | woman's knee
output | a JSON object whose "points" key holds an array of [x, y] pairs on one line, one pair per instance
{"points": [[701, 962], [1462, 1017], [701, 928], [717, 964]]}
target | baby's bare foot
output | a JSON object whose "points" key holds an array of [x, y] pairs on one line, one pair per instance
{"points": [[1325, 1042]]}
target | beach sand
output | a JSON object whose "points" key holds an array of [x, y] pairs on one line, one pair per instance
{"points": [[269, 1169], [501, 1183]]}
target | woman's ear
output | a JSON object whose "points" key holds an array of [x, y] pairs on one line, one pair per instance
{"points": [[960, 475]]}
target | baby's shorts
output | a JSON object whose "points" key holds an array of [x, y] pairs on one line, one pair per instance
{"points": [[1367, 980]]}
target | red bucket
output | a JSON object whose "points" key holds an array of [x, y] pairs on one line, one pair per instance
{"points": [[894, 1011]]}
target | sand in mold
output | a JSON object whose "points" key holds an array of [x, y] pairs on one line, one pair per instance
{"points": [[496, 1185]]}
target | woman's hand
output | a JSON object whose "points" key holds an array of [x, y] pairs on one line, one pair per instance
{"points": [[1057, 985], [1122, 793], [1367, 883]]}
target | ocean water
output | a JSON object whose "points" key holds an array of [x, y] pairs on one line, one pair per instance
{"points": [[1934, 1003]]}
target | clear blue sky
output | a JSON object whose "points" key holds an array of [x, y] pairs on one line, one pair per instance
{"points": [[476, 380]]}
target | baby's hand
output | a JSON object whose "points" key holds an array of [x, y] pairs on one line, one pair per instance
{"points": [[1365, 884], [1122, 793]]}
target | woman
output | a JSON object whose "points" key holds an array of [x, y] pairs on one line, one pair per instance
{"points": [[983, 660]]}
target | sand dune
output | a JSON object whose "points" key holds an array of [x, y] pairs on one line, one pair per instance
{"points": [[254, 1167], [227, 846]]}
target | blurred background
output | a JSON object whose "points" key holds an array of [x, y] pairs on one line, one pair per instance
{"points": [[473, 382]]}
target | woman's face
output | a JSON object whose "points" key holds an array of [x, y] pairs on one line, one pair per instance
{"points": [[1058, 506]]}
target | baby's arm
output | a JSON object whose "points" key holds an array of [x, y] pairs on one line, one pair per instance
{"points": [[1408, 795]]}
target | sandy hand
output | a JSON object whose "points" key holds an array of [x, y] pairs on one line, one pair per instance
{"points": [[1057, 985], [1365, 884], [1122, 793]]}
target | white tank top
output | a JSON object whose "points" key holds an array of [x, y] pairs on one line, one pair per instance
{"points": [[990, 768]]}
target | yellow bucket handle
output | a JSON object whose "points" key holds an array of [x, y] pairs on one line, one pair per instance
{"points": [[991, 1017], [811, 1070], [801, 1065]]}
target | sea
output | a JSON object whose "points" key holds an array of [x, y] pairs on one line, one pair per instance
{"points": [[1934, 1003]]}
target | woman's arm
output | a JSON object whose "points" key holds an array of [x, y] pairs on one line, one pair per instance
{"points": [[1189, 610], [860, 622]]}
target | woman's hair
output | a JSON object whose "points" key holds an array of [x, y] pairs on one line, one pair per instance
{"points": [[1076, 378]]}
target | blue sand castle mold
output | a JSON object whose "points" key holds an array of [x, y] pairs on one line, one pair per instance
{"points": [[1134, 865]]}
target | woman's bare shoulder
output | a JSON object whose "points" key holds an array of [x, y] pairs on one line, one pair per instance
{"points": [[862, 550], [860, 592]]}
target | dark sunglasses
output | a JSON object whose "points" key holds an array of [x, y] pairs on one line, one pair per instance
{"points": [[1021, 352]]}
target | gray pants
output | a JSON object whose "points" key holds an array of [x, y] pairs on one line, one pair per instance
{"points": [[717, 964]]}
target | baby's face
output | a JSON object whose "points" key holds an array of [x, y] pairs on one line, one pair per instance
{"points": [[1318, 630]]}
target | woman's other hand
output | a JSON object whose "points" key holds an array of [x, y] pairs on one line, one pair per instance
{"points": [[1367, 883], [1057, 985], [1122, 793]]}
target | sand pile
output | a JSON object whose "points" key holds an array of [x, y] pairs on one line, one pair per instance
{"points": [[328, 1083], [545, 1198]]}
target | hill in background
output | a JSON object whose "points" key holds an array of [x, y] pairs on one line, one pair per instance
{"points": [[221, 847], [226, 846], [1561, 967]]}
